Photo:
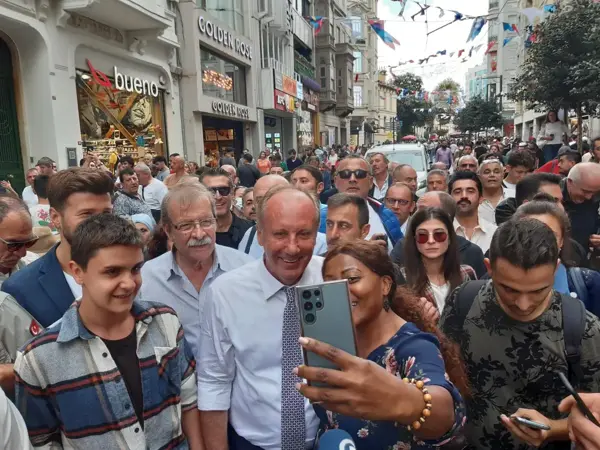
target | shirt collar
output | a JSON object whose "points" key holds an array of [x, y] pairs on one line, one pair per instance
{"points": [[270, 285], [482, 225], [220, 261], [71, 326]]}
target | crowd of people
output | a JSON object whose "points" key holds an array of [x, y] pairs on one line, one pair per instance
{"points": [[154, 307]]}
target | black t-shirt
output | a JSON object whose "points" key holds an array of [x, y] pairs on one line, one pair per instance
{"points": [[248, 174], [293, 164], [233, 236], [124, 352]]}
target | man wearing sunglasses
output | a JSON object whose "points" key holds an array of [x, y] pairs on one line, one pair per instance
{"points": [[230, 228], [354, 177], [16, 236]]}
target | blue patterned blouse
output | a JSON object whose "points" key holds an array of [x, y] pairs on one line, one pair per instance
{"points": [[409, 353]]}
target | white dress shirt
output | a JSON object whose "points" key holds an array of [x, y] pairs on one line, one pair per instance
{"points": [[256, 250], [163, 281], [380, 193], [29, 196], [14, 431], [482, 234], [239, 365], [487, 210], [377, 226], [153, 194]]}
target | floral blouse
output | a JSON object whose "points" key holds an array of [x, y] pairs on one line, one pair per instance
{"points": [[409, 353]]}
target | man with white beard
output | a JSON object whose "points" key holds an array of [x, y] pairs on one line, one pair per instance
{"points": [[181, 278]]}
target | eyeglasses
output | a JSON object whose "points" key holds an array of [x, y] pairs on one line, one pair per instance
{"points": [[186, 227], [15, 246], [400, 201], [422, 237], [223, 191], [360, 174]]}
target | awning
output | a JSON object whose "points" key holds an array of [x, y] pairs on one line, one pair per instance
{"points": [[311, 84]]}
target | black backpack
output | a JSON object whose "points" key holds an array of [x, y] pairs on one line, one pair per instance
{"points": [[573, 315]]}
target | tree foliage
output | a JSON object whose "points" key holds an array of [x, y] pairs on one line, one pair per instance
{"points": [[478, 114], [448, 85], [412, 111], [409, 81], [562, 67]]}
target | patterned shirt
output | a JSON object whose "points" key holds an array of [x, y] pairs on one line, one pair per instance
{"points": [[72, 395], [126, 205], [513, 365]]}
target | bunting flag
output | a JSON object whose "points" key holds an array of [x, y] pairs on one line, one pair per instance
{"points": [[460, 52], [316, 22], [489, 46], [506, 41], [510, 27], [478, 24], [421, 11], [387, 38]]}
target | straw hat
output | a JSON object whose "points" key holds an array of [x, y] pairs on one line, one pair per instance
{"points": [[46, 240]]}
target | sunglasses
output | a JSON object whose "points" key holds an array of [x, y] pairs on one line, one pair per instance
{"points": [[360, 174], [422, 237], [223, 191], [12, 246]]}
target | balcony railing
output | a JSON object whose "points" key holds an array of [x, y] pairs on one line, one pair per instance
{"points": [[303, 66]]}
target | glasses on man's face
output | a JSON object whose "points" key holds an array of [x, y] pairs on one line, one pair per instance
{"points": [[186, 227], [223, 191], [396, 201], [360, 174], [422, 236], [15, 246]]}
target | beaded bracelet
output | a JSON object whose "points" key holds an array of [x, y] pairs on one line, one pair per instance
{"points": [[426, 397]]}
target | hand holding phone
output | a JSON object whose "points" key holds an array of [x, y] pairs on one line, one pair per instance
{"points": [[529, 426], [530, 423]]}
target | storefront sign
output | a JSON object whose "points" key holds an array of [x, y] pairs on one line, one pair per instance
{"points": [[290, 86], [300, 91], [224, 37], [229, 109], [284, 102], [311, 98], [124, 82], [278, 77]]}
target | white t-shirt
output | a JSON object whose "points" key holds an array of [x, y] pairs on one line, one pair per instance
{"points": [[510, 190], [75, 288], [440, 294], [29, 196], [40, 216], [153, 194]]}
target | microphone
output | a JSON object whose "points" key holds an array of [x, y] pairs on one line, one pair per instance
{"points": [[336, 440]]}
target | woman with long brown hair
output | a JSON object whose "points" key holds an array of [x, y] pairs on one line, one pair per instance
{"points": [[432, 264], [393, 332]]}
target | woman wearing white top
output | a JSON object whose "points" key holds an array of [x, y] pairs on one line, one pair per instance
{"points": [[551, 136], [430, 245]]}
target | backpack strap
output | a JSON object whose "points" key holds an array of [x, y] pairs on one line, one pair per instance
{"points": [[250, 240], [576, 275], [465, 298], [574, 319]]}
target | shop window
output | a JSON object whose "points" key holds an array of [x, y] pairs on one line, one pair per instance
{"points": [[120, 121], [230, 12], [222, 78]]}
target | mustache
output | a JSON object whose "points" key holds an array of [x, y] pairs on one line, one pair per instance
{"points": [[206, 240], [464, 202]]}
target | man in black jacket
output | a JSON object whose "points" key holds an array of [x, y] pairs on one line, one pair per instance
{"points": [[470, 254]]}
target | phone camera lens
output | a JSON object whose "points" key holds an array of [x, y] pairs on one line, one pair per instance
{"points": [[319, 305], [306, 294], [310, 318], [308, 306], [317, 293]]}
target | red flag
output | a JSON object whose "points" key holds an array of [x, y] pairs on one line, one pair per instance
{"points": [[489, 47], [460, 52], [356, 78]]}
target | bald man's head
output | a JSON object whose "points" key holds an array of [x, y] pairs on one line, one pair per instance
{"points": [[438, 199], [265, 183], [583, 182]]}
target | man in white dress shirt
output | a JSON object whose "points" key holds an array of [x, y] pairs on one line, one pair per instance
{"points": [[466, 189], [28, 194], [181, 278], [245, 339]]}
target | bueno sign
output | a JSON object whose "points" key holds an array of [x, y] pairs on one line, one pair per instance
{"points": [[224, 37], [229, 109]]}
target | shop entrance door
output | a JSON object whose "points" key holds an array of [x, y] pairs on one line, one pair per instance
{"points": [[11, 163]]}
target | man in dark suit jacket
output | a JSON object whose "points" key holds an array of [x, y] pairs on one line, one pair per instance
{"points": [[45, 288]]}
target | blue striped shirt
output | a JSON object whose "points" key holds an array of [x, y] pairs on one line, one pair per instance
{"points": [[72, 395]]}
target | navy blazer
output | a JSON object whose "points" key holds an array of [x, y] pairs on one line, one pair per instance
{"points": [[42, 289]]}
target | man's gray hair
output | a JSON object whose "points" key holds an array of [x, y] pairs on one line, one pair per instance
{"points": [[385, 158], [592, 170], [184, 194], [349, 157], [440, 172], [11, 204], [465, 157], [143, 167], [487, 162], [260, 209]]}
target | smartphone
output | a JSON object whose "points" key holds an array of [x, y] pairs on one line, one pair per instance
{"points": [[530, 423], [580, 404], [326, 315]]}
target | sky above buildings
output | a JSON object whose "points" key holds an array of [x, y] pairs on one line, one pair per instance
{"points": [[415, 44]]}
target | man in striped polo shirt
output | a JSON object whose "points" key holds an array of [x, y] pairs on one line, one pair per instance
{"points": [[111, 373]]}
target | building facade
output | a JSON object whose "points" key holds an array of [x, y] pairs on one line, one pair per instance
{"points": [[476, 82], [83, 75], [365, 122], [219, 74], [386, 110]]}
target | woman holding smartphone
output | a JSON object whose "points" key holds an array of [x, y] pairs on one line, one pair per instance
{"points": [[551, 136], [430, 246], [392, 332]]}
